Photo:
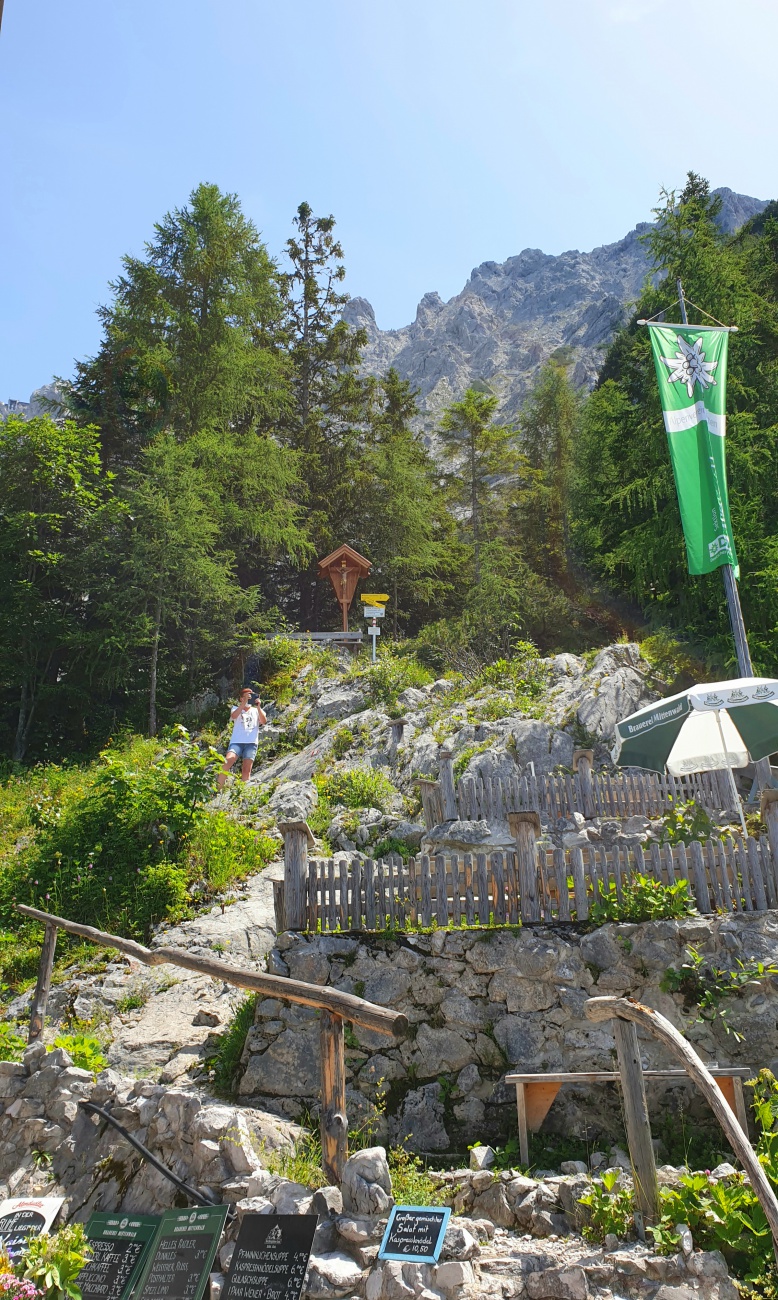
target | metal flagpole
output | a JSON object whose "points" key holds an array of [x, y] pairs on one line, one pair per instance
{"points": [[743, 654], [732, 785]]}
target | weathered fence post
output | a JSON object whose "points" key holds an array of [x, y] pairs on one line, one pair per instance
{"points": [[298, 839], [582, 764], [41, 997], [637, 1122], [525, 828], [334, 1126], [429, 792], [450, 811], [768, 807]]}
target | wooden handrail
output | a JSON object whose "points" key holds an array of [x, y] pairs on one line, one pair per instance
{"points": [[336, 1007], [345, 1005], [626, 1009]]}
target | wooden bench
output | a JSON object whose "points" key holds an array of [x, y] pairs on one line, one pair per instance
{"points": [[536, 1092]]}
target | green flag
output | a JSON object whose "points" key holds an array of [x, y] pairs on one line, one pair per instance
{"points": [[691, 366]]}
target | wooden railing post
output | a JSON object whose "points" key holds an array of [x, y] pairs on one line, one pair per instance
{"points": [[429, 792], [525, 828], [298, 839], [769, 812], [334, 1126], [446, 774], [41, 995], [582, 764], [637, 1122]]}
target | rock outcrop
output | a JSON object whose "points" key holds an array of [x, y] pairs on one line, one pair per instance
{"points": [[513, 316]]}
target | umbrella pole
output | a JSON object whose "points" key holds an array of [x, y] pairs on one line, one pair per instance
{"points": [[735, 794]]}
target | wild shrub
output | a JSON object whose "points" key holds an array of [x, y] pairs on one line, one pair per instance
{"points": [[357, 788], [389, 676], [85, 1051], [226, 1059], [12, 1043], [643, 899], [685, 822], [53, 1261], [220, 850]]}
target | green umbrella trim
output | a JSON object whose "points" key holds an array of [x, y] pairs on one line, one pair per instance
{"points": [[648, 738], [758, 726]]}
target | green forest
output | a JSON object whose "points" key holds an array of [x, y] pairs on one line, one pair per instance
{"points": [[223, 438]]}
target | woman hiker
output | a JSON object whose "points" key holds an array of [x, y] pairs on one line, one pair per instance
{"points": [[247, 717]]}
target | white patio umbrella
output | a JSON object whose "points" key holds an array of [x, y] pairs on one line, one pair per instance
{"points": [[713, 726]]}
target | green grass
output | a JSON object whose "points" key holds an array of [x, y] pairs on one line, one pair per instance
{"points": [[226, 1060]]}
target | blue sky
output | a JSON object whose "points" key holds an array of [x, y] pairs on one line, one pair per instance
{"points": [[440, 133]]}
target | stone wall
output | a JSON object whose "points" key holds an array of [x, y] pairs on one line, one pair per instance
{"points": [[482, 1002]]}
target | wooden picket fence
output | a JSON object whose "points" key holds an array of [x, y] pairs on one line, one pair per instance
{"points": [[624, 795], [483, 889]]}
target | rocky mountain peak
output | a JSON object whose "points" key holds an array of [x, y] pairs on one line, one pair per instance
{"points": [[512, 316]]}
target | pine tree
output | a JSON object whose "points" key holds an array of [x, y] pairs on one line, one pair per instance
{"points": [[327, 424], [481, 453], [191, 338], [548, 423]]}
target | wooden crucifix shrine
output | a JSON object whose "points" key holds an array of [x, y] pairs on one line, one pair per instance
{"points": [[344, 568]]}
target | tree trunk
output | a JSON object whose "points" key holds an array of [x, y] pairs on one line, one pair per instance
{"points": [[394, 609], [22, 726], [474, 512], [153, 669]]}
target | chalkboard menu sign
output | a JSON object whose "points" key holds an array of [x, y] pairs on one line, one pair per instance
{"points": [[120, 1243], [181, 1254], [271, 1257], [415, 1233], [25, 1217]]}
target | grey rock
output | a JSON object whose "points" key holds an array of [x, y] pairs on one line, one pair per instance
{"points": [[558, 1284], [367, 1184], [420, 1123], [338, 702], [442, 1051], [332, 1274], [542, 745], [481, 1157], [327, 1201], [293, 801]]}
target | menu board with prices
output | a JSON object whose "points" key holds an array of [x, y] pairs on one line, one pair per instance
{"points": [[181, 1254], [271, 1257], [120, 1244], [25, 1217], [415, 1233]]}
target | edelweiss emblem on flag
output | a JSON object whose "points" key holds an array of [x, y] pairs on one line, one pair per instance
{"points": [[689, 366]]}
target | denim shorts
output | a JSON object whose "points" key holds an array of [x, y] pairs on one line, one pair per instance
{"points": [[242, 750]]}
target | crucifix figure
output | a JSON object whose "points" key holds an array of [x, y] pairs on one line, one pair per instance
{"points": [[344, 567]]}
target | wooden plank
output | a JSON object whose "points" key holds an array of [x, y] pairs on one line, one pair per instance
{"points": [[766, 859], [580, 901], [369, 894], [314, 913], [414, 890], [467, 870], [357, 914], [334, 1127], [483, 889], [669, 864], [512, 887], [740, 868], [522, 1114], [713, 877], [640, 860], [426, 891], [617, 871], [563, 894], [441, 901], [41, 995], [332, 920], [655, 857], [699, 877], [381, 909], [498, 877], [570, 796], [636, 1120], [343, 906], [721, 857], [392, 890], [296, 842], [757, 875], [683, 869], [456, 891], [279, 910]]}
